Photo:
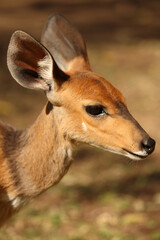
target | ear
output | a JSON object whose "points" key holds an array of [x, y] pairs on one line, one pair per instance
{"points": [[31, 65], [65, 44]]}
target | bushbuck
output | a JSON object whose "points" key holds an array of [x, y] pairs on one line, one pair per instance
{"points": [[82, 107]]}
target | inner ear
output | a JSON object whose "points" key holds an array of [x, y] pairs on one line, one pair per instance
{"points": [[31, 64]]}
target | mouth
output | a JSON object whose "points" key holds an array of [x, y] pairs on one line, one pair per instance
{"points": [[135, 155]]}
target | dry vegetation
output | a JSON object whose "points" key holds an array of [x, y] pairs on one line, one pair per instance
{"points": [[103, 196]]}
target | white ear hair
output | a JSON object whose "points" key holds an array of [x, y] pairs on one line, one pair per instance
{"points": [[46, 68]]}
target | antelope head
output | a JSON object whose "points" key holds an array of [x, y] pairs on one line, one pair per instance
{"points": [[86, 106]]}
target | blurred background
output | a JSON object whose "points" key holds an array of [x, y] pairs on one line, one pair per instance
{"points": [[103, 196]]}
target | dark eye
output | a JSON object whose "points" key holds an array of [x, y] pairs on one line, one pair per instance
{"points": [[95, 110]]}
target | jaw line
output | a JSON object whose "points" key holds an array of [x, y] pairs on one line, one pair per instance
{"points": [[140, 155], [135, 156]]}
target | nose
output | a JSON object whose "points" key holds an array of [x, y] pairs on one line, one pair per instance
{"points": [[148, 145]]}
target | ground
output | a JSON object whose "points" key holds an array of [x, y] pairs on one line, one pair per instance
{"points": [[103, 196]]}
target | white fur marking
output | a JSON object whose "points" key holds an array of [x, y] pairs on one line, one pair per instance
{"points": [[69, 153], [141, 153], [16, 201], [84, 127]]}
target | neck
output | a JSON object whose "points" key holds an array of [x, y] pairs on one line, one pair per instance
{"points": [[43, 155]]}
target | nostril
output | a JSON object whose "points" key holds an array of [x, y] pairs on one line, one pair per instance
{"points": [[148, 145]]}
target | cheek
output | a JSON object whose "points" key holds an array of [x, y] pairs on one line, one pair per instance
{"points": [[74, 122]]}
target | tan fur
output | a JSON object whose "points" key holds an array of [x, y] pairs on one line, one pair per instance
{"points": [[17, 170]]}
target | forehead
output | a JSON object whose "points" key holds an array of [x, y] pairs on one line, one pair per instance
{"points": [[93, 87]]}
